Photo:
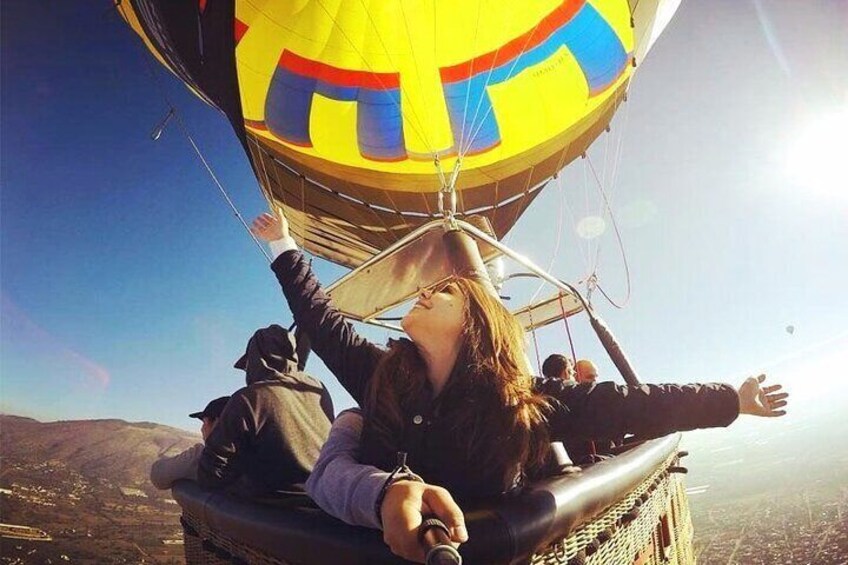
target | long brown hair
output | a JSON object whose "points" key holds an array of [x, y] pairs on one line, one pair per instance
{"points": [[504, 425]]}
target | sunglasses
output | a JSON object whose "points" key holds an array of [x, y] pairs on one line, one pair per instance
{"points": [[441, 286]]}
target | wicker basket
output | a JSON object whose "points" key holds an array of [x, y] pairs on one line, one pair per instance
{"points": [[649, 525]]}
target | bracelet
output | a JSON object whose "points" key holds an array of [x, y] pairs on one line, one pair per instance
{"points": [[400, 473]]}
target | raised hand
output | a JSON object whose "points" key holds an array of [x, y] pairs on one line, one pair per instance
{"points": [[270, 227], [757, 400]]}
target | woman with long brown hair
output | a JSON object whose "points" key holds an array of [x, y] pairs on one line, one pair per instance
{"points": [[458, 400]]}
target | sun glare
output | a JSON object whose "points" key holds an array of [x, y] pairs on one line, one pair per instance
{"points": [[816, 158]]}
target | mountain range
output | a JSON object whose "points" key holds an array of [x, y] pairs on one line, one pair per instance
{"points": [[104, 449]]}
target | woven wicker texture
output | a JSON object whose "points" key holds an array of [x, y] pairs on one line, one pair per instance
{"points": [[631, 531]]}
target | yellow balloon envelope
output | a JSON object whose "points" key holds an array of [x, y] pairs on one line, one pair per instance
{"points": [[355, 113]]}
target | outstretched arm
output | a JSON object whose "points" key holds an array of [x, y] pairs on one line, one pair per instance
{"points": [[606, 410], [168, 470], [350, 357]]}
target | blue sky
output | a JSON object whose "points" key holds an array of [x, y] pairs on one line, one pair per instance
{"points": [[128, 289]]}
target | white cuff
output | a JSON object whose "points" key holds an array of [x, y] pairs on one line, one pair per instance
{"points": [[280, 246]]}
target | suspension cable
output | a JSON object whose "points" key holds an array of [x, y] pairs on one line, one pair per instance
{"points": [[184, 129], [535, 341], [618, 237], [567, 329], [221, 188]]}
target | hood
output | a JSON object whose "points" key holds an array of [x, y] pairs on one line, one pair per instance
{"points": [[269, 352]]}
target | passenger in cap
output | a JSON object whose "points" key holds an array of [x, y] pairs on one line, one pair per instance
{"points": [[270, 433], [169, 469]]}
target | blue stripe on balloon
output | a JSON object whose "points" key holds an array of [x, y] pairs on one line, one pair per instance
{"points": [[596, 47], [479, 103], [341, 93], [591, 40], [288, 105], [379, 125]]}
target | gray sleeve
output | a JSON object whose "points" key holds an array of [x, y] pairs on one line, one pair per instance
{"points": [[339, 484], [167, 470]]}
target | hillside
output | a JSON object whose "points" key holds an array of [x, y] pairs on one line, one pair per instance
{"points": [[105, 449], [85, 485]]}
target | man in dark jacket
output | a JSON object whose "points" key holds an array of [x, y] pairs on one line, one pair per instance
{"points": [[558, 366], [269, 436], [169, 469]]}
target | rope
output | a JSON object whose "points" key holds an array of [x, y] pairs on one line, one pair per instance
{"points": [[567, 329], [414, 58], [613, 184], [558, 239], [535, 341], [305, 217], [486, 85], [221, 187], [468, 86], [152, 71], [620, 243], [418, 132]]}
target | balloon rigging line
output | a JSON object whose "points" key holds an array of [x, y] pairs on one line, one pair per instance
{"points": [[418, 131], [220, 186], [605, 165], [586, 209], [468, 84], [567, 328], [584, 245], [433, 150], [620, 147], [613, 184], [268, 194], [184, 129], [486, 85], [570, 211], [558, 239], [620, 244], [535, 339]]}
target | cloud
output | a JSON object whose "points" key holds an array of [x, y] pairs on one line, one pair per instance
{"points": [[21, 332]]}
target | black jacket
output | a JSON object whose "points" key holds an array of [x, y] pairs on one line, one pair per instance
{"points": [[601, 411], [269, 435]]}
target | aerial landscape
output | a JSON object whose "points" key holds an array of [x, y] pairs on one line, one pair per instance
{"points": [[754, 499], [703, 214]]}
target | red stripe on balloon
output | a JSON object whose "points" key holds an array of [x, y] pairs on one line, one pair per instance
{"points": [[241, 29], [336, 76], [514, 48]]}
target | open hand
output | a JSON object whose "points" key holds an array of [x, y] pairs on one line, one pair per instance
{"points": [[403, 510], [270, 227], [761, 401]]}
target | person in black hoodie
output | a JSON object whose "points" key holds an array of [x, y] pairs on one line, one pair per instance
{"points": [[270, 434]]}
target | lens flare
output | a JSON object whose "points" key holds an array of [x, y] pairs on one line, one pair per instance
{"points": [[815, 160]]}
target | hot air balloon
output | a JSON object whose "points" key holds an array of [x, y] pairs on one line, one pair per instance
{"points": [[381, 125], [357, 115]]}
